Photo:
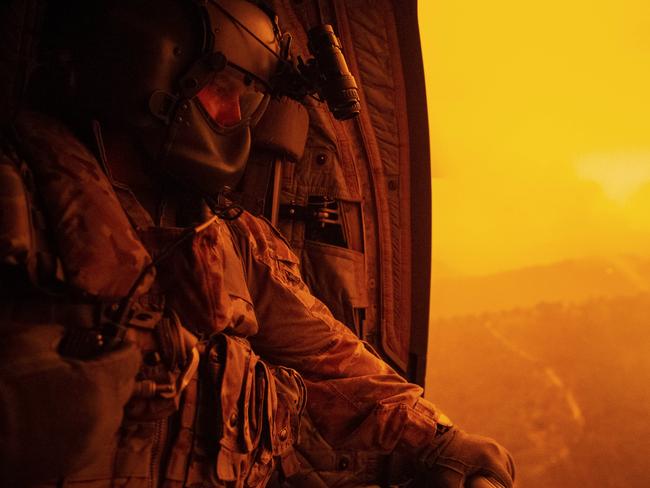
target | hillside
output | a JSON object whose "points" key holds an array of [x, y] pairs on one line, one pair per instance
{"points": [[565, 386], [566, 281]]}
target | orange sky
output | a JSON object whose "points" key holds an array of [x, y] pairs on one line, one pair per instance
{"points": [[540, 130]]}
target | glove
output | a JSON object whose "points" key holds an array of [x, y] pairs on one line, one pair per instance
{"points": [[57, 413], [459, 460]]}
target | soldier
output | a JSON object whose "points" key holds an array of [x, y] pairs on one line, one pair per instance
{"points": [[153, 334]]}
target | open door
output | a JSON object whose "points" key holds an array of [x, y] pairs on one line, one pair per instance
{"points": [[356, 207]]}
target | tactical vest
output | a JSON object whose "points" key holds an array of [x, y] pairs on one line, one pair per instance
{"points": [[226, 420]]}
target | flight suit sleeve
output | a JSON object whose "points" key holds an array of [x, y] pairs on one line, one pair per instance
{"points": [[356, 400]]}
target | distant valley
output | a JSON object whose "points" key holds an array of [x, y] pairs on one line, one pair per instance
{"points": [[553, 361]]}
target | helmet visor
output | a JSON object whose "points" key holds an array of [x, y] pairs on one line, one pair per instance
{"points": [[232, 98]]}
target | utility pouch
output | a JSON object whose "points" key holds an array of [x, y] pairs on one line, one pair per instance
{"points": [[170, 361], [292, 398], [282, 130], [258, 411]]}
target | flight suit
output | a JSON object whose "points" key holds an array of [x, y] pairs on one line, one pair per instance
{"points": [[237, 287]]}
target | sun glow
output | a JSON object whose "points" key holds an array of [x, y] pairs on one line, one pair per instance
{"points": [[540, 140], [620, 175]]}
